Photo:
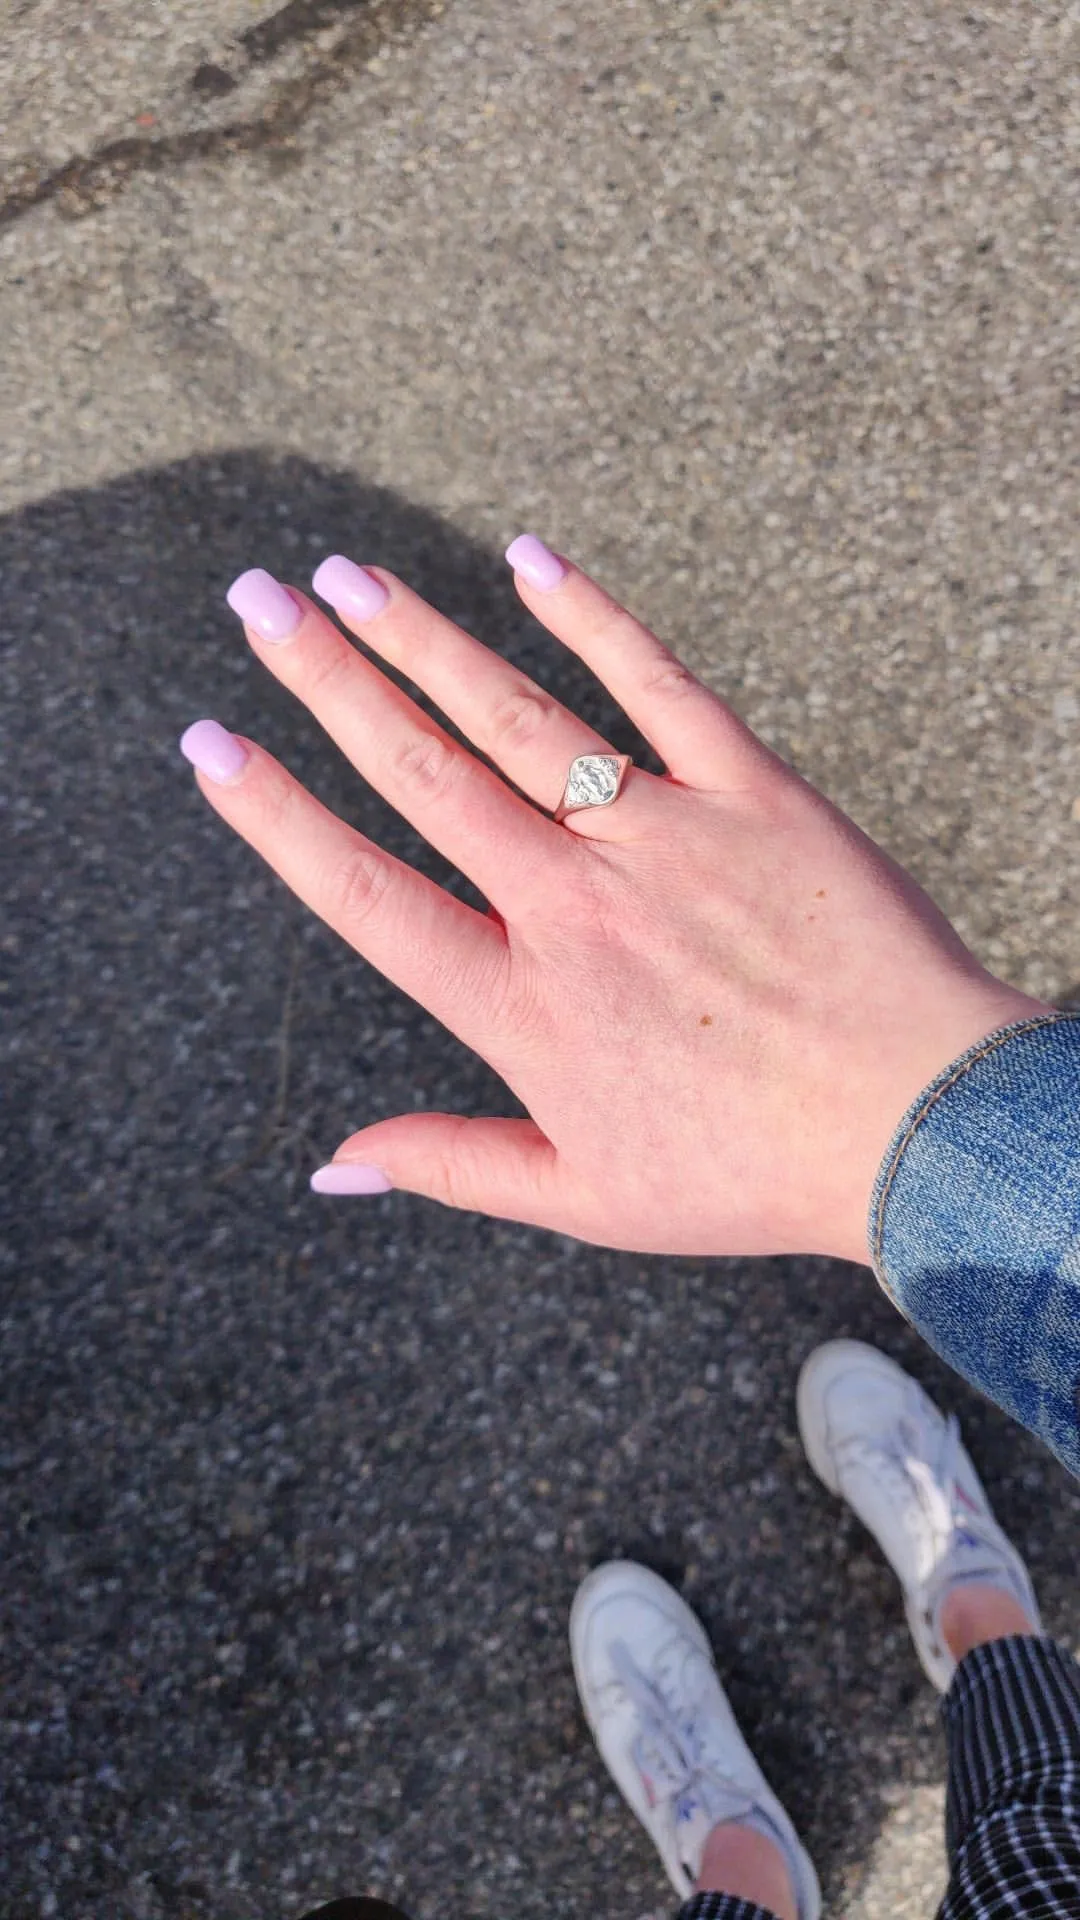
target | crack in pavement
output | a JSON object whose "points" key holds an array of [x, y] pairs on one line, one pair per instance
{"points": [[89, 181]]}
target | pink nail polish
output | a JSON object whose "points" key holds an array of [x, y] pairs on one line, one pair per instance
{"points": [[350, 589], [350, 1176], [216, 752], [264, 604], [535, 562]]}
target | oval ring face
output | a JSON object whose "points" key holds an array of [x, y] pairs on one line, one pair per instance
{"points": [[594, 780]]}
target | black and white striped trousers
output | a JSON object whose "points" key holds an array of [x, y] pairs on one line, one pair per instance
{"points": [[1012, 1814]]}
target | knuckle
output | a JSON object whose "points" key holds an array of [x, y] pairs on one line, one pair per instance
{"points": [[611, 630], [359, 887], [446, 1182], [325, 673], [279, 797], [520, 716], [425, 765], [451, 1172], [668, 679]]}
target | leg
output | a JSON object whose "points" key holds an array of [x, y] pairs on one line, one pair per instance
{"points": [[1012, 1707], [663, 1724], [737, 1860], [1012, 1719], [723, 1906]]}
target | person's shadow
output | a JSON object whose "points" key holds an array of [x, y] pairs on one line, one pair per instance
{"points": [[296, 1493]]}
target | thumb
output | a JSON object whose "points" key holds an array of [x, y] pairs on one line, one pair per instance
{"points": [[503, 1167]]}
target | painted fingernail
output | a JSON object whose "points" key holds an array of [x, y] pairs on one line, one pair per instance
{"points": [[263, 603], [535, 562], [216, 752], [349, 588], [350, 1176]]}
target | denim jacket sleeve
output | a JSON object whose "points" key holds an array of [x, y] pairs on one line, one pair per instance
{"points": [[975, 1222]]}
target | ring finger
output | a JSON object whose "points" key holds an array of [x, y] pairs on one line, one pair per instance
{"points": [[525, 731], [461, 806]]}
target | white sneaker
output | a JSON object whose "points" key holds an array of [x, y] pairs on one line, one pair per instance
{"points": [[876, 1438], [661, 1720]]}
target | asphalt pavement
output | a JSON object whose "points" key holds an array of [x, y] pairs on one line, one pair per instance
{"points": [[767, 313]]}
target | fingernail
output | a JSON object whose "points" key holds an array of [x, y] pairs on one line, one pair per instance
{"points": [[264, 604], [350, 1176], [349, 588], [535, 562], [216, 752]]}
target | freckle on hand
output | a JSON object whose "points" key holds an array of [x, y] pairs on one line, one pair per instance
{"points": [[706, 1020], [820, 894]]}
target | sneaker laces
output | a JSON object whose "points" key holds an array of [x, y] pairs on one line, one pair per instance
{"points": [[695, 1795], [976, 1545], [670, 1751], [968, 1541]]}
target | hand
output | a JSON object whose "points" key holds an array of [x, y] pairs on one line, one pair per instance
{"points": [[716, 997]]}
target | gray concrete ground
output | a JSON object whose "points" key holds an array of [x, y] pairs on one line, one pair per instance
{"points": [[768, 313]]}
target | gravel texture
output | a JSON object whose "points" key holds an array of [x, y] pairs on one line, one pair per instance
{"points": [[768, 313]]}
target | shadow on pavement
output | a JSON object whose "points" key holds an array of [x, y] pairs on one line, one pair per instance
{"points": [[296, 1494]]}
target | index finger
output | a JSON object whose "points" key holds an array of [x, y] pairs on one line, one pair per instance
{"points": [[699, 737]]}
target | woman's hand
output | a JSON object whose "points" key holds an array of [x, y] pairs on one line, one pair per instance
{"points": [[715, 997]]}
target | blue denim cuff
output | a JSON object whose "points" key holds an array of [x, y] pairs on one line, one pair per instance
{"points": [[975, 1222]]}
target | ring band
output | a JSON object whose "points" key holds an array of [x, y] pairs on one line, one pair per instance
{"points": [[594, 780]]}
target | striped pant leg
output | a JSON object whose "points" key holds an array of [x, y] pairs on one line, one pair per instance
{"points": [[701, 1906], [722, 1906], [1012, 1819]]}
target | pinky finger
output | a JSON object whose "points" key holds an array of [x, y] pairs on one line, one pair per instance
{"points": [[450, 958]]}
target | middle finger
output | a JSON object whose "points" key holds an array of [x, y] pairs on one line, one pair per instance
{"points": [[527, 732], [458, 804]]}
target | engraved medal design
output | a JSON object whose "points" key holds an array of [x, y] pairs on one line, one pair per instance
{"points": [[593, 781]]}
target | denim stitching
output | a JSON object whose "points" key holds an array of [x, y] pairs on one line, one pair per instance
{"points": [[980, 1051]]}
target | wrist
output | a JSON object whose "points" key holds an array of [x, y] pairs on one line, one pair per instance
{"points": [[955, 1028]]}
